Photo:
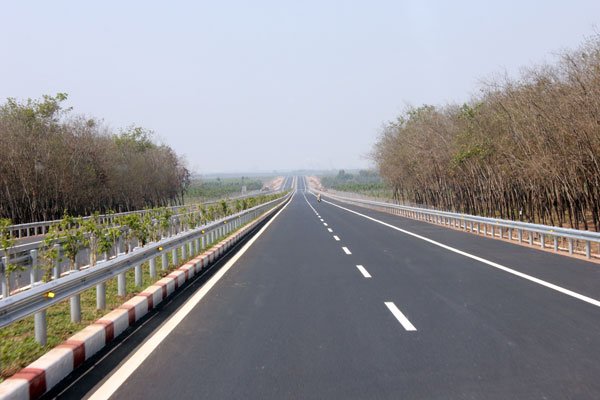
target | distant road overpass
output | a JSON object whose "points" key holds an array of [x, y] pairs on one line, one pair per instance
{"points": [[332, 301]]}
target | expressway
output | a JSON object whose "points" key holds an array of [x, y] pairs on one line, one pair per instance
{"points": [[334, 301]]}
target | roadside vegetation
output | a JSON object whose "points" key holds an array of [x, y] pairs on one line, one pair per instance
{"points": [[53, 162], [218, 188], [364, 182], [525, 149]]}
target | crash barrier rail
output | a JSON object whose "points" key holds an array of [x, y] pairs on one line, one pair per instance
{"points": [[573, 241], [43, 227], [16, 265], [41, 296]]}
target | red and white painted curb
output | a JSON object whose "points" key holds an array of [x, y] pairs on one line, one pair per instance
{"points": [[47, 371]]}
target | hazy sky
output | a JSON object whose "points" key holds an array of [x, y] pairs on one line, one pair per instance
{"points": [[264, 85]]}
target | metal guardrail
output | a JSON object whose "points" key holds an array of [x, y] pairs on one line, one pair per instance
{"points": [[43, 227], [559, 239], [23, 255], [36, 300]]}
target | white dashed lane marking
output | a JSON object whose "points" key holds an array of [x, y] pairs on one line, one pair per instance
{"points": [[363, 271]]}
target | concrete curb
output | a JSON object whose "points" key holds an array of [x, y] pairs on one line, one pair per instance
{"points": [[51, 368]]}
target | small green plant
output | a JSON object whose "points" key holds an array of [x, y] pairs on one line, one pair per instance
{"points": [[70, 234], [7, 242]]}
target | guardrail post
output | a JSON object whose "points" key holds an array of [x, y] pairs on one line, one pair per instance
{"points": [[56, 268], [174, 256], [164, 261], [570, 246], [4, 277], [121, 284], [138, 275], [588, 249], [101, 296], [40, 327], [485, 233], [183, 252], [555, 243], [542, 241], [152, 264], [33, 254], [493, 231], [76, 308]]}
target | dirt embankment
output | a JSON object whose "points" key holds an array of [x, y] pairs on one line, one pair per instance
{"points": [[315, 183], [274, 184]]}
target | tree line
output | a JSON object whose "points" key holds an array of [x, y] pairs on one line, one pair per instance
{"points": [[52, 163], [526, 148], [364, 181]]}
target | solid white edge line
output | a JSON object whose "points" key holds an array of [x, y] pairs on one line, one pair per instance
{"points": [[346, 250], [480, 259], [400, 317], [363, 271], [118, 377], [336, 238]]}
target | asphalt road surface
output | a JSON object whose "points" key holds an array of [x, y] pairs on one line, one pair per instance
{"points": [[327, 303]]}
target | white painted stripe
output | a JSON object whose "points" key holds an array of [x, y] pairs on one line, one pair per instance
{"points": [[481, 259], [330, 230], [110, 386], [346, 250], [325, 223], [363, 271], [321, 219], [336, 238], [400, 317]]}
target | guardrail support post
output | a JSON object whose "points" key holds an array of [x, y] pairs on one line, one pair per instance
{"points": [[121, 284], [138, 275], [39, 327], [4, 278], [76, 308], [101, 296], [542, 240], [152, 264], [588, 249], [164, 261], [570, 246], [520, 235], [555, 243], [34, 265], [174, 256], [56, 268], [183, 252]]}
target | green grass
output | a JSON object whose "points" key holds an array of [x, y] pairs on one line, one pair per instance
{"points": [[203, 190]]}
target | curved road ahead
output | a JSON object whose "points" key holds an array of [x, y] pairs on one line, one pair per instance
{"points": [[330, 302]]}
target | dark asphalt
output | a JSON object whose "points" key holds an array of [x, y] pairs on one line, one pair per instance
{"points": [[294, 318]]}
